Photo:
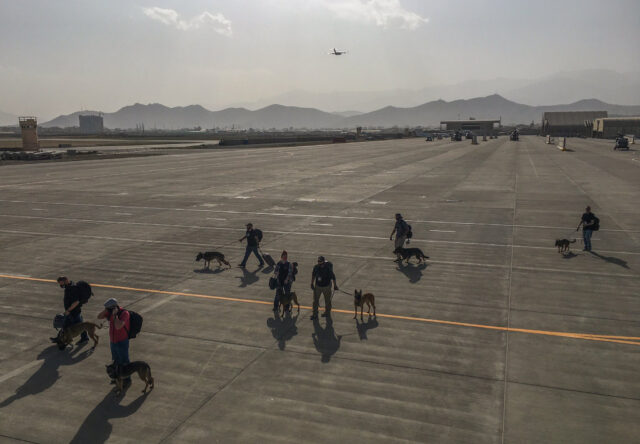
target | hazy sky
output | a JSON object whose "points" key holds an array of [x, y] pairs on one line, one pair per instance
{"points": [[60, 56]]}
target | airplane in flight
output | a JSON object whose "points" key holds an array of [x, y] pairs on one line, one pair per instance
{"points": [[336, 52]]}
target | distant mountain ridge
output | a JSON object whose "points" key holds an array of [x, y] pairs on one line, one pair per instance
{"points": [[7, 119], [431, 113]]}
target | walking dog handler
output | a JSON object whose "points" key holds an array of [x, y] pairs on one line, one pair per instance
{"points": [[321, 278]]}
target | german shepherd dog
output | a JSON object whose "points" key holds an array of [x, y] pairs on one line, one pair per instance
{"points": [[286, 299], [120, 372], [359, 300], [209, 256], [408, 253], [563, 245], [66, 335]]}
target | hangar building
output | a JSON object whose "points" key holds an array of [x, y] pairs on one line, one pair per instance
{"points": [[477, 127], [610, 127], [569, 123], [91, 124]]}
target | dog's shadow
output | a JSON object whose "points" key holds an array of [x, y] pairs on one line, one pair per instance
{"points": [[209, 270], [96, 427], [248, 278], [569, 255], [363, 327], [611, 260], [284, 328], [325, 339], [47, 374], [412, 271]]}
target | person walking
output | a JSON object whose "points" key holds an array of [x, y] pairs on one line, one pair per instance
{"points": [[401, 230], [321, 279], [284, 274], [119, 326], [588, 222], [72, 306], [253, 238]]}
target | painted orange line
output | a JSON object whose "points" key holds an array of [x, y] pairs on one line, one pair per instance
{"points": [[584, 336]]}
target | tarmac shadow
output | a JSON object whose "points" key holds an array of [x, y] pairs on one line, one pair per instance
{"points": [[268, 270], [569, 255], [325, 339], [362, 327], [283, 329], [96, 427], [248, 278], [611, 260], [412, 271], [209, 270], [47, 374]]}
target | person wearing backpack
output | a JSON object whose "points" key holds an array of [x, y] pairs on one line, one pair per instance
{"points": [[321, 278], [590, 223], [119, 328], [285, 274], [253, 237], [402, 230], [74, 296]]}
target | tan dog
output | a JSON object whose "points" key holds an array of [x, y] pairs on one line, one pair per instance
{"points": [[66, 335], [286, 300], [120, 372], [359, 300]]}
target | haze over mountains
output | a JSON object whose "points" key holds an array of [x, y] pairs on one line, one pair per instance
{"points": [[279, 116]]}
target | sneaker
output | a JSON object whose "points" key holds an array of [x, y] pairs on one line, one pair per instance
{"points": [[314, 317]]}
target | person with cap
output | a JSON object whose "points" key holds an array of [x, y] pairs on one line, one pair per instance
{"points": [[253, 238], [72, 306], [588, 222], [118, 333], [401, 229], [321, 278], [285, 274]]}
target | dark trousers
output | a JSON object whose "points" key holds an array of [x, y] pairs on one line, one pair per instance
{"points": [[120, 353], [586, 236], [247, 253], [73, 320], [282, 289]]}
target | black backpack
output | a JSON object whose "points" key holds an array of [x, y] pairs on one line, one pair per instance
{"points": [[135, 324], [258, 234], [596, 224], [85, 291], [295, 270], [409, 232]]}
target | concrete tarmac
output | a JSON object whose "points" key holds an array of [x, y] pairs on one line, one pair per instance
{"points": [[496, 339]]}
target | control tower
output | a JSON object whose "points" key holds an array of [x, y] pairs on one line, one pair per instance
{"points": [[29, 127]]}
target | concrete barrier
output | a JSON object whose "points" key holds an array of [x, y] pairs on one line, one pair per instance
{"points": [[562, 146], [484, 138], [474, 140], [548, 139]]}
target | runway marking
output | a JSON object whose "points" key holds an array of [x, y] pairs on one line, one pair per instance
{"points": [[584, 336], [303, 199], [443, 231], [377, 202], [158, 304], [264, 213], [19, 370], [38, 209], [124, 214], [243, 197], [216, 218], [322, 225], [431, 261], [296, 233]]}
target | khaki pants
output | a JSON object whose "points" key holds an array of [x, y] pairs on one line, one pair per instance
{"points": [[399, 244], [326, 291]]}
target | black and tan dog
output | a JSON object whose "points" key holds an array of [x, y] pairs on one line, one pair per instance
{"points": [[408, 253], [563, 245], [66, 335], [286, 299], [360, 299], [120, 372], [208, 256]]}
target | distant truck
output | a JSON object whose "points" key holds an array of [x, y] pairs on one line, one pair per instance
{"points": [[468, 135], [456, 136], [622, 143], [515, 136], [429, 138]]}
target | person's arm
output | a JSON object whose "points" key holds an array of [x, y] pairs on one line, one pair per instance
{"points": [[71, 307], [581, 222], [242, 238], [117, 322], [392, 233], [313, 277], [104, 314]]}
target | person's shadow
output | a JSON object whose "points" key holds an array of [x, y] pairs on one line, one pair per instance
{"points": [[209, 270], [325, 339], [412, 271], [96, 427], [283, 329], [611, 260], [47, 374], [364, 327], [248, 278], [268, 270]]}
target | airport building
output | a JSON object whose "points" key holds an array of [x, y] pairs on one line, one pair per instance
{"points": [[91, 124], [29, 127], [610, 127], [570, 123], [477, 127]]}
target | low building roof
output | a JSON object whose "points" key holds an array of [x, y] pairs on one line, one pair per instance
{"points": [[470, 121], [569, 118]]}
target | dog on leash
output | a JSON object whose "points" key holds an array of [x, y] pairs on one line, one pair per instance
{"points": [[119, 373], [360, 299], [408, 253], [286, 299], [208, 256], [564, 245], [66, 335]]}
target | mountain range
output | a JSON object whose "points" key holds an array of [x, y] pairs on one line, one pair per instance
{"points": [[279, 116]]}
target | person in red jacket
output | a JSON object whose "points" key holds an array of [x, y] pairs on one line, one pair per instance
{"points": [[118, 333]]}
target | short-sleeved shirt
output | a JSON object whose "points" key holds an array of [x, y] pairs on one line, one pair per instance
{"points": [[116, 335], [71, 295], [401, 227], [284, 271], [252, 238], [323, 275], [587, 218]]}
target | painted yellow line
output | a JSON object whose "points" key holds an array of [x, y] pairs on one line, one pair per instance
{"points": [[584, 336]]}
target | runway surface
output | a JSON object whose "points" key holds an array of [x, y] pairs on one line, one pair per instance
{"points": [[497, 338]]}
